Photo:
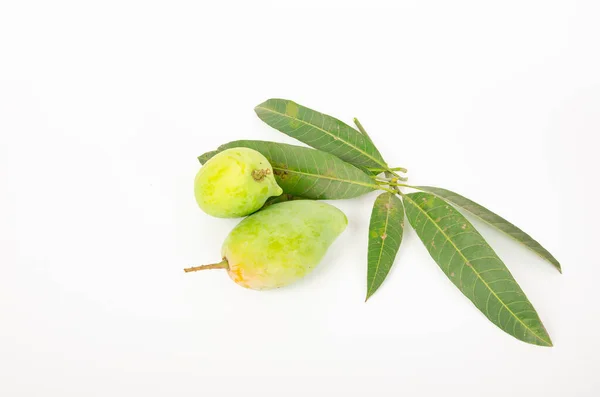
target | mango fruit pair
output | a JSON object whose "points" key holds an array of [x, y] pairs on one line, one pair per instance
{"points": [[275, 246]]}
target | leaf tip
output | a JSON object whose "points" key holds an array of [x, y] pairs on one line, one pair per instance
{"points": [[370, 292], [203, 158], [544, 337], [260, 106]]}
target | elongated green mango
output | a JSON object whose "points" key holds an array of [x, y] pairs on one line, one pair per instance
{"points": [[280, 244]]}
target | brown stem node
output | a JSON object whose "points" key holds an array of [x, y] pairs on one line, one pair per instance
{"points": [[259, 175]]}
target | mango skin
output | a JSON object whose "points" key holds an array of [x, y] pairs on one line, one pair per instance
{"points": [[281, 243], [225, 186]]}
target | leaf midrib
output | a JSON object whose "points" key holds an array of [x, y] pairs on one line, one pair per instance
{"points": [[548, 342], [549, 258], [383, 165], [375, 187], [387, 217]]}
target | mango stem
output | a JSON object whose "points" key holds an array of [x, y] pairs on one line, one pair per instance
{"points": [[221, 265], [259, 175]]}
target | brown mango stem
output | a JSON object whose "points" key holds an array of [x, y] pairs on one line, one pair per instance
{"points": [[221, 265], [259, 175]]}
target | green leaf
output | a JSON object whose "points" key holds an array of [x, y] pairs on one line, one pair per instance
{"points": [[473, 266], [493, 220], [321, 131], [385, 235], [362, 130], [306, 172], [207, 156], [280, 199]]}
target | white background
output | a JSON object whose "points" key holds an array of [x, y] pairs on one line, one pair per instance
{"points": [[104, 107]]}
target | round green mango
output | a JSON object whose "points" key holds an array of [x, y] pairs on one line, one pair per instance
{"points": [[234, 183], [279, 244]]}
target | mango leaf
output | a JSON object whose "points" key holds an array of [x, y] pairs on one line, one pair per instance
{"points": [[306, 172], [280, 199], [385, 235], [493, 220], [321, 131], [473, 266], [362, 130], [203, 158]]}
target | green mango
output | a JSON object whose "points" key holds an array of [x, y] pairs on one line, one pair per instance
{"points": [[279, 244], [235, 183]]}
